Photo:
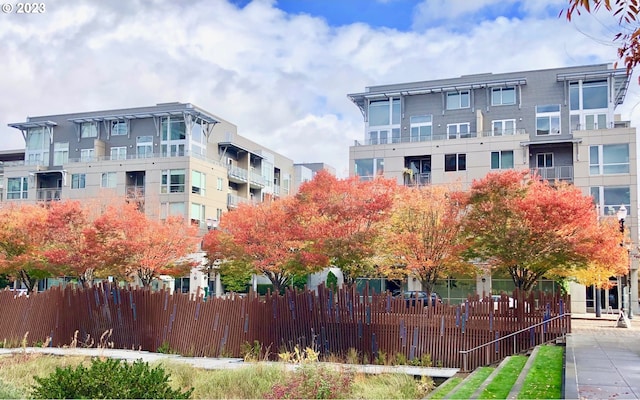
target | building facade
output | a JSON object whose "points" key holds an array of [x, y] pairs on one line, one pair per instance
{"points": [[172, 159], [559, 123]]}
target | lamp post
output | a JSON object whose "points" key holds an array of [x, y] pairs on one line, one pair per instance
{"points": [[622, 214]]}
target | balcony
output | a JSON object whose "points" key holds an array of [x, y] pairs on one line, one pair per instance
{"points": [[48, 194], [237, 174], [560, 173], [135, 192], [423, 179], [440, 136], [233, 201]]}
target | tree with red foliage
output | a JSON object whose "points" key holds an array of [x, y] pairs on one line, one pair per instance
{"points": [[345, 216], [530, 228], [266, 238], [22, 230], [130, 244], [421, 238]]}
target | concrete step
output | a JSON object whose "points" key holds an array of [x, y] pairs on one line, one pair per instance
{"points": [[513, 394]]}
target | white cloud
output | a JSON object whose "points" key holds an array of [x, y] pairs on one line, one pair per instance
{"points": [[282, 79]]}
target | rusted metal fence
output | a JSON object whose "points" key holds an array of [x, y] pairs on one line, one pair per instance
{"points": [[332, 322]]}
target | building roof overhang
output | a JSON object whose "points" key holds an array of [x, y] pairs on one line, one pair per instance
{"points": [[619, 76], [240, 149], [113, 117], [551, 141], [23, 126], [360, 99]]}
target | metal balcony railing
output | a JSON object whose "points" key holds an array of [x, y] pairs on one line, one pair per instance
{"points": [[48, 194], [561, 173]]}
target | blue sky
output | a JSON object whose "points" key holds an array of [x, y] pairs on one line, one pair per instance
{"points": [[279, 70]]}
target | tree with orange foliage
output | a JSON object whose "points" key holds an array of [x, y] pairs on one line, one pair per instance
{"points": [[266, 238], [627, 13], [421, 238], [130, 244], [66, 240], [530, 228], [21, 244], [345, 216]]}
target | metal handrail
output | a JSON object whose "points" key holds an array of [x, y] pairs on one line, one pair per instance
{"points": [[465, 353]]}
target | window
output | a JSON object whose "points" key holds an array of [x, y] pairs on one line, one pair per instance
{"points": [[457, 131], [545, 160], [144, 146], [197, 183], [421, 126], [173, 181], [609, 159], [173, 208], [589, 97], [457, 100], [364, 168], [88, 130], [609, 198], [197, 214], [60, 153], [548, 119], [503, 96], [118, 153], [174, 136], [108, 180], [87, 155], [384, 112], [503, 127], [219, 184], [119, 128], [455, 162], [78, 181], [37, 149], [17, 188], [502, 159]]}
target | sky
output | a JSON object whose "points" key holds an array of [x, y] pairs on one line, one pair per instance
{"points": [[280, 70]]}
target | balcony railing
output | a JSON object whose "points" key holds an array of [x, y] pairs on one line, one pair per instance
{"points": [[441, 136], [48, 194], [135, 192], [233, 200], [561, 173], [422, 179]]}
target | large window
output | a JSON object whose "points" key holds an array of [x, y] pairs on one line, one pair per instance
{"points": [[144, 146], [173, 208], [368, 168], [609, 159], [108, 180], [455, 162], [548, 119], [119, 127], [502, 159], [89, 129], [173, 181], [589, 103], [610, 198], [458, 100], [197, 183], [17, 188], [503, 96], [37, 149], [544, 160], [384, 112], [421, 128], [60, 153], [198, 214], [174, 136], [458, 131], [119, 153], [78, 181], [503, 127]]}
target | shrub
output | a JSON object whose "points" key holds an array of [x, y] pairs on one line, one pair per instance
{"points": [[108, 379], [314, 383]]}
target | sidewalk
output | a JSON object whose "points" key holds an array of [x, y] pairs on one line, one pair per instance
{"points": [[602, 360]]}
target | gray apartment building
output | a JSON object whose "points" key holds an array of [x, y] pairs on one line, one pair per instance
{"points": [[559, 123], [171, 158]]}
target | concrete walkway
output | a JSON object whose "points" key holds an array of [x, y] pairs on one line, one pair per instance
{"points": [[602, 360]]}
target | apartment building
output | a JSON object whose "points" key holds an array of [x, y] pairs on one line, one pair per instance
{"points": [[560, 123], [171, 158]]}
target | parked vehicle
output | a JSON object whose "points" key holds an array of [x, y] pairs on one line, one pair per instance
{"points": [[497, 300], [412, 297]]}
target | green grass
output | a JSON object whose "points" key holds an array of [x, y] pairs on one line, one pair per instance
{"points": [[472, 382], [502, 383], [544, 380], [445, 388]]}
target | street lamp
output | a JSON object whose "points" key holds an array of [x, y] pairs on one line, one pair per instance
{"points": [[622, 214]]}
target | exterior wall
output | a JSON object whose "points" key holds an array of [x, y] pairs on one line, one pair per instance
{"points": [[570, 149]]}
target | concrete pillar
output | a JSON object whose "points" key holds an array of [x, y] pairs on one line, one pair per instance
{"points": [[578, 294], [634, 293]]}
